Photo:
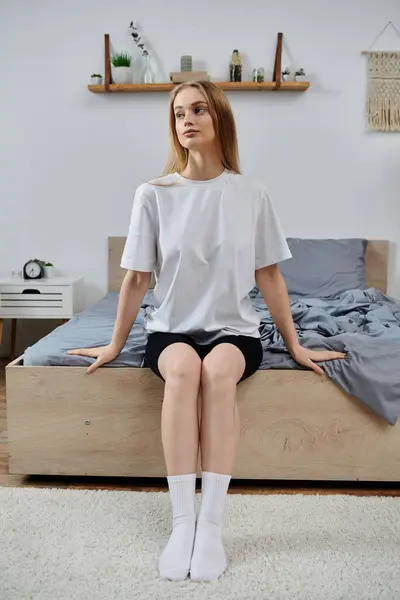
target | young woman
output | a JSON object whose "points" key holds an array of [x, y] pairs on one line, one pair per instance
{"points": [[209, 234]]}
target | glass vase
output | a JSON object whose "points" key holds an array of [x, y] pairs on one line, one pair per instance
{"points": [[147, 74]]}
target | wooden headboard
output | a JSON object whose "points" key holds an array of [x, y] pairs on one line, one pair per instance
{"points": [[376, 263]]}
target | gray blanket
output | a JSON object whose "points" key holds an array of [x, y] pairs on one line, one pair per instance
{"points": [[363, 323]]}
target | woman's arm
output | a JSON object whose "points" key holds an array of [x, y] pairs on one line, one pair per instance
{"points": [[133, 290], [273, 288]]}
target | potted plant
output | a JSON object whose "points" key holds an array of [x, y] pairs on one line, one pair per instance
{"points": [[285, 74], [96, 79], [48, 269], [300, 75], [121, 68]]}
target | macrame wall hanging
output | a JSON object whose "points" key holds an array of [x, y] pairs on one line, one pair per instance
{"points": [[383, 88]]}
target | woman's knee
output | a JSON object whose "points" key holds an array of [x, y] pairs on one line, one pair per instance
{"points": [[219, 376], [222, 368], [180, 364]]}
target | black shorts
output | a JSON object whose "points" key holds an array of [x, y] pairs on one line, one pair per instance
{"points": [[250, 347]]}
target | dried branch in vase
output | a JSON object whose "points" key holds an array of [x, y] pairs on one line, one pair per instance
{"points": [[137, 39]]}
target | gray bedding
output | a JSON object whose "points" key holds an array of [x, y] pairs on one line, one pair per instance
{"points": [[363, 323]]}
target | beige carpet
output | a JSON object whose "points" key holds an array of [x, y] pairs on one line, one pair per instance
{"points": [[103, 545]]}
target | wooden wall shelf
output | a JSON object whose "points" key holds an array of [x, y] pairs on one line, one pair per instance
{"points": [[244, 86]]}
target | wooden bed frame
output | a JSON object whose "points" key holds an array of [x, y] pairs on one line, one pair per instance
{"points": [[295, 425]]}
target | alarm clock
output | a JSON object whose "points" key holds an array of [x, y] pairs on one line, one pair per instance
{"points": [[33, 269]]}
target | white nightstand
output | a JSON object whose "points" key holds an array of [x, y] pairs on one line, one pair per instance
{"points": [[55, 298]]}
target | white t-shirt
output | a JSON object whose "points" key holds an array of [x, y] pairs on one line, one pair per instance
{"points": [[203, 240]]}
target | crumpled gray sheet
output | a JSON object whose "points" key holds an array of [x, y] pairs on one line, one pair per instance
{"points": [[363, 323]]}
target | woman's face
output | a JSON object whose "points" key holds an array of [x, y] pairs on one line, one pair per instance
{"points": [[193, 121]]}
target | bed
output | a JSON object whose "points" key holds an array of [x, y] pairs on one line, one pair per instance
{"points": [[295, 425]]}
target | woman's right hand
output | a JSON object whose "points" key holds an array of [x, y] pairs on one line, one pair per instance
{"points": [[102, 354]]}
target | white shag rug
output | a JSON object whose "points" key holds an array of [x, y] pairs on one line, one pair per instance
{"points": [[63, 544]]}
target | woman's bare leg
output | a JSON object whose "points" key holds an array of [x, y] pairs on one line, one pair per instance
{"points": [[180, 366], [221, 370], [220, 423]]}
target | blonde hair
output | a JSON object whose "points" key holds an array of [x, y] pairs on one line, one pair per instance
{"points": [[224, 127]]}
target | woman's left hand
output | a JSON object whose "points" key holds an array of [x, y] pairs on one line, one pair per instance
{"points": [[308, 358]]}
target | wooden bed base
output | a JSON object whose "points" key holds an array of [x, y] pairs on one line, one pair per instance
{"points": [[295, 425]]}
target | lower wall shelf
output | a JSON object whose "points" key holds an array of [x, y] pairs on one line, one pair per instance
{"points": [[245, 86]]}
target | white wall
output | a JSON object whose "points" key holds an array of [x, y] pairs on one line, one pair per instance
{"points": [[70, 160]]}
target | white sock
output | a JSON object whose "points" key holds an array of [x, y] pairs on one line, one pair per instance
{"points": [[174, 562], [209, 560]]}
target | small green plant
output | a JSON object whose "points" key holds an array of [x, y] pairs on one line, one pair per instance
{"points": [[121, 59], [95, 75], [300, 73], [286, 71]]}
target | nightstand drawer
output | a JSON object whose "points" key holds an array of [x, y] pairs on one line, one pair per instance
{"points": [[31, 299]]}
